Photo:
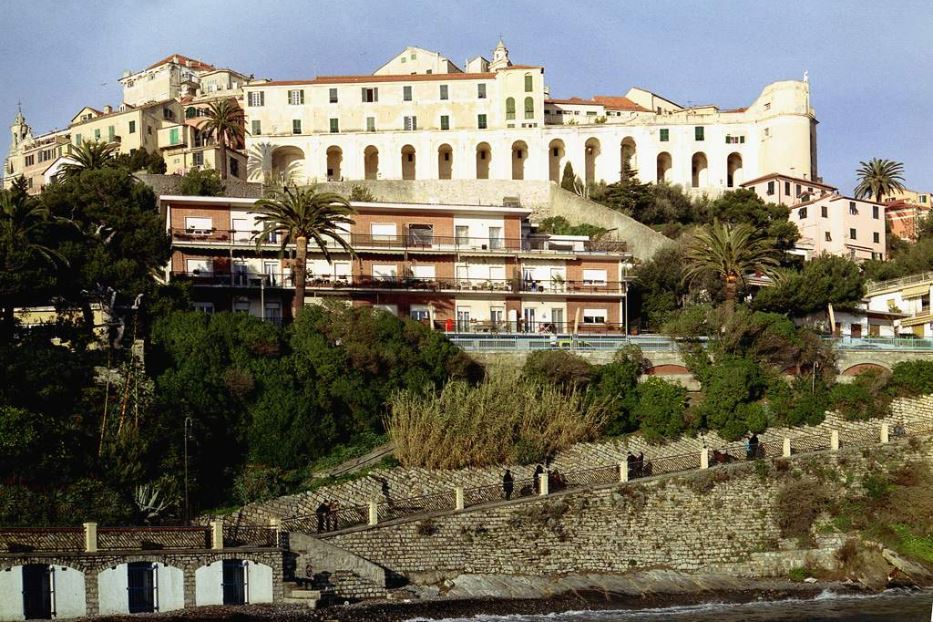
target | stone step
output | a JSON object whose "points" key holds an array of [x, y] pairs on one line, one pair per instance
{"points": [[311, 603], [305, 594]]}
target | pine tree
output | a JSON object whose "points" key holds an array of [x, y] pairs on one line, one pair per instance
{"points": [[568, 178]]}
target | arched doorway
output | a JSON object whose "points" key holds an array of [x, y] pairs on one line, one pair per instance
{"points": [[699, 170], [445, 161], [334, 161], [288, 162], [664, 166], [556, 153], [591, 149], [519, 155], [734, 174], [408, 162], [483, 157], [629, 165], [371, 162]]}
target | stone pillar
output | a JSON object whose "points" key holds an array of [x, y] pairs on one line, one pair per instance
{"points": [[458, 498], [90, 537], [275, 525], [704, 458], [543, 485], [786, 452], [623, 472], [885, 436], [373, 513], [217, 534], [834, 440]]}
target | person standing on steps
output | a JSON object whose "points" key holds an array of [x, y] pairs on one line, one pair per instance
{"points": [[508, 484], [334, 507], [751, 447], [322, 518]]}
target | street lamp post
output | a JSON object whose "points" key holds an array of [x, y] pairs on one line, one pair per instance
{"points": [[187, 429]]}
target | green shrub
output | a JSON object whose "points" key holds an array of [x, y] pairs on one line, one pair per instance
{"points": [[615, 384], [661, 409], [798, 574], [558, 368], [361, 193], [798, 504], [731, 385], [912, 378], [863, 398], [258, 483], [202, 183]]}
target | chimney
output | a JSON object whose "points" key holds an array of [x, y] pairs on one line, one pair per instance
{"points": [[108, 109]]}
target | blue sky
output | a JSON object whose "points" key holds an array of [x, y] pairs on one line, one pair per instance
{"points": [[870, 63]]}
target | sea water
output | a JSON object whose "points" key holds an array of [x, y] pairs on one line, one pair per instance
{"points": [[891, 606]]}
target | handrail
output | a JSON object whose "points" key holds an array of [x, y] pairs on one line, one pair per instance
{"points": [[874, 286]]}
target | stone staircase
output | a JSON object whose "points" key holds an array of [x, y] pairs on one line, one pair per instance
{"points": [[297, 594]]}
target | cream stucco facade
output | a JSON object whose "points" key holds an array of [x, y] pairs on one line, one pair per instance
{"points": [[501, 124]]}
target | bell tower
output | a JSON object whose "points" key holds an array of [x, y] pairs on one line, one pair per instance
{"points": [[19, 129], [500, 57]]}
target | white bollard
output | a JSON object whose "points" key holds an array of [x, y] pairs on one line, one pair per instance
{"points": [[543, 485], [623, 472], [834, 440], [704, 458], [786, 452], [885, 433], [217, 534], [90, 537], [458, 498], [373, 513]]}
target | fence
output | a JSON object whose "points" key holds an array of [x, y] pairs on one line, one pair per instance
{"points": [[634, 468]]}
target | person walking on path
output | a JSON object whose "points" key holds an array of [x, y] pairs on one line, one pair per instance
{"points": [[332, 515], [751, 447], [508, 484], [321, 513]]}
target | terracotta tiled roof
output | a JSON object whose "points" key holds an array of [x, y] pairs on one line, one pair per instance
{"points": [[809, 182], [573, 100], [614, 102], [420, 77], [181, 60]]}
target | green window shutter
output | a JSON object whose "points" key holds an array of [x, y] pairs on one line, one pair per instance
{"points": [[334, 126], [78, 140], [529, 108], [445, 122], [132, 127], [529, 81], [296, 126], [257, 128], [698, 133], [481, 121], [173, 137], [96, 134], [406, 93], [665, 135], [111, 133]]}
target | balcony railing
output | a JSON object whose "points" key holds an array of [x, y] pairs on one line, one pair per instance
{"points": [[413, 242], [874, 286], [286, 279]]}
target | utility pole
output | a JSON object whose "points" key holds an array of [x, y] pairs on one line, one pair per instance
{"points": [[187, 429]]}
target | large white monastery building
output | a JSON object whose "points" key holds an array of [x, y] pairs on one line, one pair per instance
{"points": [[419, 116]]}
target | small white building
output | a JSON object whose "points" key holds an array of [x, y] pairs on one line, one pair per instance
{"points": [[909, 297]]}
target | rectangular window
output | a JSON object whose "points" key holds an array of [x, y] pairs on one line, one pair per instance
{"points": [[462, 233], [699, 133], [411, 123], [665, 135], [828, 237], [132, 127], [78, 140], [332, 96], [173, 136], [406, 93], [256, 99], [481, 121], [852, 234], [443, 91], [257, 127], [594, 277], [529, 83], [480, 91], [420, 235], [111, 133], [297, 97], [424, 272], [876, 237], [30, 160], [370, 124], [594, 316], [445, 122], [798, 190], [199, 224], [296, 126], [787, 188], [370, 95], [96, 134], [420, 313], [770, 188], [197, 158], [824, 211], [334, 126], [803, 213], [874, 212], [852, 208], [234, 167], [382, 232]]}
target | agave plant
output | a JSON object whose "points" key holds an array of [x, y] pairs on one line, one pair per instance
{"points": [[150, 502]]}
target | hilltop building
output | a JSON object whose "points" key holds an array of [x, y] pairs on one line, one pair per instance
{"points": [[469, 268], [419, 116]]}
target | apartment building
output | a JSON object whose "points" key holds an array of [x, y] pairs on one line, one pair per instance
{"points": [[906, 215], [162, 108], [420, 117], [467, 268], [787, 190], [909, 297]]}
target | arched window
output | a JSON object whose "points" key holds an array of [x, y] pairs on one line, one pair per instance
{"points": [[529, 108], [510, 108], [529, 82], [191, 112]]}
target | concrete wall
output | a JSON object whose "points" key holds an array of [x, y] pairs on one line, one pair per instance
{"points": [[11, 593], [69, 595]]}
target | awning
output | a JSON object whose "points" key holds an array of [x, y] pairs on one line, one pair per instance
{"points": [[915, 291], [918, 320]]}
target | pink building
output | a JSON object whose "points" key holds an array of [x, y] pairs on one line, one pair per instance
{"points": [[840, 225], [787, 190]]}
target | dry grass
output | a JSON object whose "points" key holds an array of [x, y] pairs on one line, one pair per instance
{"points": [[505, 420]]}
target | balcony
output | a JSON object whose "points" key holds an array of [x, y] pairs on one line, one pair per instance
{"points": [[413, 242], [285, 279]]}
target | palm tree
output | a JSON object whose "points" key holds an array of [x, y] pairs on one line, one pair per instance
{"points": [[729, 253], [23, 222], [878, 178], [300, 214], [224, 123], [90, 155]]}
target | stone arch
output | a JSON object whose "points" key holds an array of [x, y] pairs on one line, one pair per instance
{"points": [[483, 160], [556, 153], [445, 161], [628, 157], [734, 173], [334, 163], [371, 162], [861, 368], [408, 162], [287, 160], [665, 164], [519, 155], [591, 150], [699, 170]]}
